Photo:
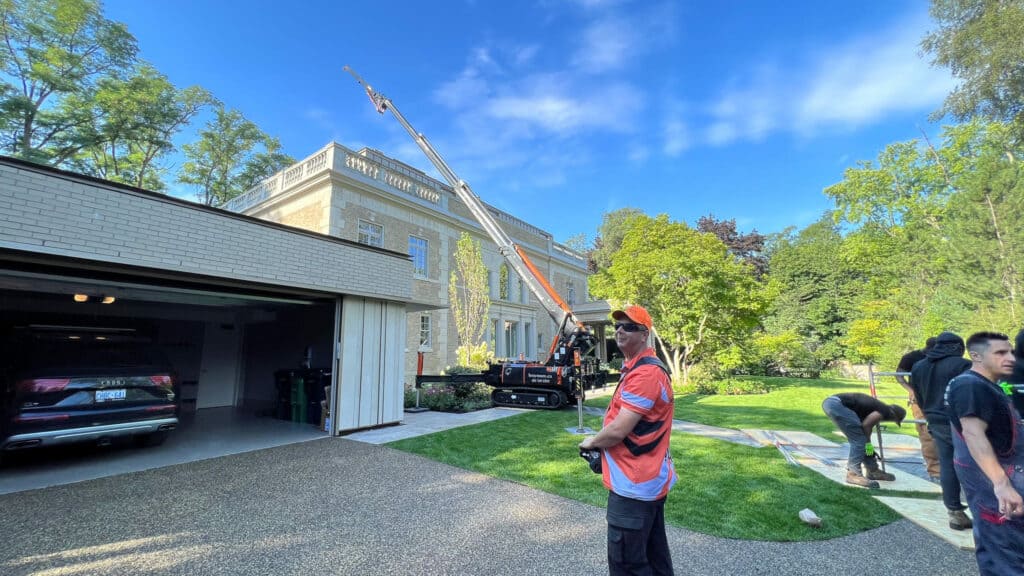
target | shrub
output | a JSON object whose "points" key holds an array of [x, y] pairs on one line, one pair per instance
{"points": [[783, 354], [479, 356], [457, 398]]}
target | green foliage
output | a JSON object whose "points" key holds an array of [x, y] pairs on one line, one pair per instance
{"points": [[701, 298], [52, 55], [475, 357], [457, 398], [980, 42], [470, 300], [503, 283], [230, 153], [610, 234], [782, 354], [134, 123]]}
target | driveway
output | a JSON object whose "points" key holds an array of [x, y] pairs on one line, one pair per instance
{"points": [[337, 506]]}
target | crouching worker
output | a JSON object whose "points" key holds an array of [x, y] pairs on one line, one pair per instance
{"points": [[856, 414]]}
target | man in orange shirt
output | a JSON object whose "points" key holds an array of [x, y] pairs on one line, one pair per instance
{"points": [[636, 464]]}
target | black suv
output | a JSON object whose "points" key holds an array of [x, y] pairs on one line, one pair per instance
{"points": [[65, 384]]}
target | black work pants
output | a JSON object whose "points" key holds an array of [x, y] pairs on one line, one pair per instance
{"points": [[942, 434], [637, 545]]}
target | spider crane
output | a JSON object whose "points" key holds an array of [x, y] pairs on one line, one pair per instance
{"points": [[572, 365]]}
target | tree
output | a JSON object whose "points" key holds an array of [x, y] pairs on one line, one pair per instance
{"points": [[53, 50], [469, 295], [980, 42], [135, 122], [609, 236], [222, 163], [748, 247], [700, 297]]}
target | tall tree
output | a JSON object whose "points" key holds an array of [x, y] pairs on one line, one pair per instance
{"points": [[748, 247], [980, 42], [230, 149], [136, 121], [613, 228], [52, 50], [469, 296], [701, 298]]}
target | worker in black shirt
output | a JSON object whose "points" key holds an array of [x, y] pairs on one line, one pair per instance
{"points": [[929, 378], [989, 451], [856, 414], [928, 450]]}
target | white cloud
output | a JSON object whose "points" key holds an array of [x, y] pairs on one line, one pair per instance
{"points": [[677, 137], [606, 45], [846, 86], [869, 78], [549, 104]]}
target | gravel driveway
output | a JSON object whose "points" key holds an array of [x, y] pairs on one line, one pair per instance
{"points": [[336, 506]]}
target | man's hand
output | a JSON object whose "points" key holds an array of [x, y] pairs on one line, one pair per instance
{"points": [[587, 444], [1010, 503]]}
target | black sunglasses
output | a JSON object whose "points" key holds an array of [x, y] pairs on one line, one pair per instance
{"points": [[629, 326]]}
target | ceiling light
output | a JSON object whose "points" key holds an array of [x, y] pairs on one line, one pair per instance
{"points": [[108, 299], [81, 297]]}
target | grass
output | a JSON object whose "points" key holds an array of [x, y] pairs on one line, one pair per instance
{"points": [[724, 489], [794, 404]]}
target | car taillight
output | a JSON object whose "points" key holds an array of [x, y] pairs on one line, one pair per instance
{"points": [[161, 408], [41, 417], [42, 385], [163, 380]]}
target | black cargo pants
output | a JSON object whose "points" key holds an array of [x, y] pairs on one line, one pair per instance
{"points": [[637, 545]]}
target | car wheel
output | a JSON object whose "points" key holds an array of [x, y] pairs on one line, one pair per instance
{"points": [[152, 439]]}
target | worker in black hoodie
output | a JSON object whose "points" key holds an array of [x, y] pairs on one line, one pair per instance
{"points": [[929, 378]]}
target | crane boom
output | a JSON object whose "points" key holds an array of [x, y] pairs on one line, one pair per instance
{"points": [[559, 311]]}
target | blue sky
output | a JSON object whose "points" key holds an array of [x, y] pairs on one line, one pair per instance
{"points": [[558, 111]]}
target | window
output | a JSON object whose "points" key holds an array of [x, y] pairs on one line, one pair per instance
{"points": [[511, 339], [425, 331], [418, 251], [371, 234], [570, 293], [528, 337]]}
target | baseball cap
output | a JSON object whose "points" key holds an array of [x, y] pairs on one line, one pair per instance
{"points": [[635, 314]]}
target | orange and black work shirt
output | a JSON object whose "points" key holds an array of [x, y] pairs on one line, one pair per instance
{"points": [[640, 467]]}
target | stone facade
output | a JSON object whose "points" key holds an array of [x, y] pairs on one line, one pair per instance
{"points": [[367, 197]]}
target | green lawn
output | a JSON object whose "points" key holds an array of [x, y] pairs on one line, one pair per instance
{"points": [[794, 405], [724, 489]]}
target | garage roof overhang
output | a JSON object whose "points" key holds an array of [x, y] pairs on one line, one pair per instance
{"points": [[82, 226]]}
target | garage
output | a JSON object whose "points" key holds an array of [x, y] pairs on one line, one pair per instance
{"points": [[242, 308]]}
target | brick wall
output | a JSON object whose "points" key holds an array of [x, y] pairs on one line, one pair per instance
{"points": [[49, 212]]}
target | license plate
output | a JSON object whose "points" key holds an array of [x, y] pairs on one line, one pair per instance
{"points": [[111, 395]]}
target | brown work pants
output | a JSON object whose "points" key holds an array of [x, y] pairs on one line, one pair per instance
{"points": [[928, 450]]}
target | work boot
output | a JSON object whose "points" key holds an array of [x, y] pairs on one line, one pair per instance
{"points": [[959, 521], [858, 479], [872, 472]]}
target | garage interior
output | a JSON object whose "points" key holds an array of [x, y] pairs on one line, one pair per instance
{"points": [[225, 343]]}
